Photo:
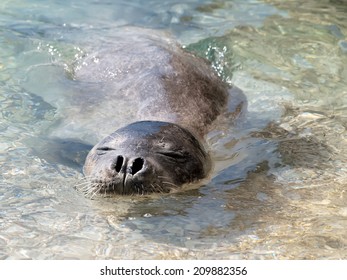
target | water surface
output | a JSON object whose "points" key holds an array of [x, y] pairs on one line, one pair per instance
{"points": [[281, 189]]}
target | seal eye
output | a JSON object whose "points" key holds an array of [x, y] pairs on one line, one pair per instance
{"points": [[103, 150], [178, 156]]}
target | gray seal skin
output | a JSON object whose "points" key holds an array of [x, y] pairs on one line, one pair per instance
{"points": [[168, 99]]}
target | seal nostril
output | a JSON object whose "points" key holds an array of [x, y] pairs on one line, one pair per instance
{"points": [[137, 165], [119, 163]]}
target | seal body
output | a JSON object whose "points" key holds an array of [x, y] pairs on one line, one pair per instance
{"points": [[155, 102]]}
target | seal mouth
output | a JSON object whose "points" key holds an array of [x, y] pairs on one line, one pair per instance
{"points": [[100, 187]]}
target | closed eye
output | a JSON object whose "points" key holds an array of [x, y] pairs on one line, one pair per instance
{"points": [[104, 149], [173, 155]]}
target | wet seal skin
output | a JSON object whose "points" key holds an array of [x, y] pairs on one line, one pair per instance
{"points": [[177, 98]]}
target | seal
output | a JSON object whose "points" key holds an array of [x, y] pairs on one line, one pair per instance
{"points": [[160, 101]]}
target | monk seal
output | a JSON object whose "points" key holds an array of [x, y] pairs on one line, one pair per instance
{"points": [[168, 98]]}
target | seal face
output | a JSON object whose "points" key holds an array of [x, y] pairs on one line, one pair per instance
{"points": [[145, 157]]}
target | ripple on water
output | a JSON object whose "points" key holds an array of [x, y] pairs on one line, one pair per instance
{"points": [[280, 190]]}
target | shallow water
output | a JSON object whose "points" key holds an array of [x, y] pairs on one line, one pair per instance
{"points": [[281, 189]]}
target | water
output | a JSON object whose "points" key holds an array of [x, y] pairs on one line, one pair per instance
{"points": [[279, 191]]}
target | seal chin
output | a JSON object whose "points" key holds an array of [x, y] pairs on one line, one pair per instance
{"points": [[145, 157]]}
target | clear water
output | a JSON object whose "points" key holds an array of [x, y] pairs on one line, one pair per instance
{"points": [[279, 190]]}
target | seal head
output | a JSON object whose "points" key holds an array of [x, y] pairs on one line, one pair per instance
{"points": [[145, 157]]}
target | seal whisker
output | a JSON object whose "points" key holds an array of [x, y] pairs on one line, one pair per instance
{"points": [[83, 188], [95, 192], [153, 188], [170, 183], [163, 177], [161, 189], [85, 180], [157, 188], [84, 185]]}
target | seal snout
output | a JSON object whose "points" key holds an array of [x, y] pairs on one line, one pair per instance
{"points": [[126, 174]]}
